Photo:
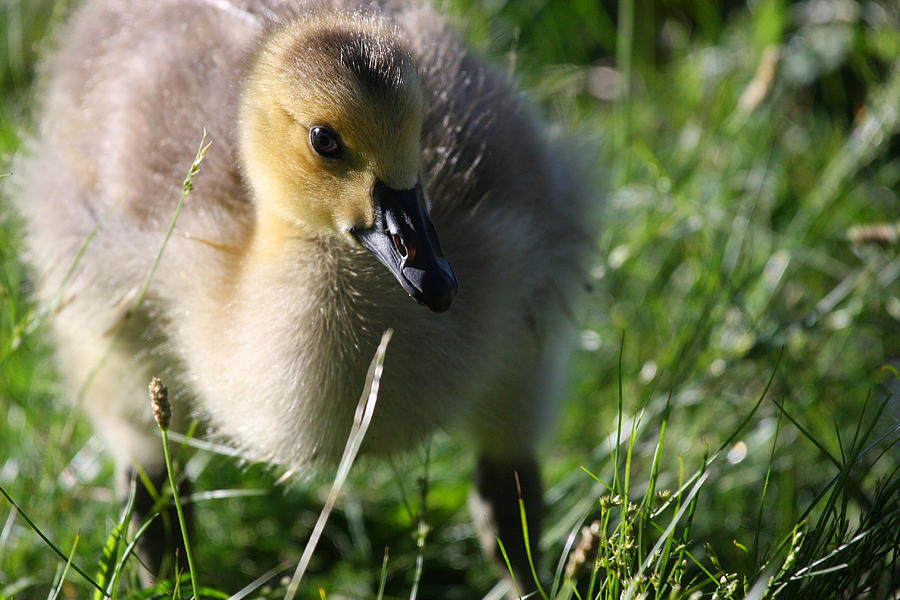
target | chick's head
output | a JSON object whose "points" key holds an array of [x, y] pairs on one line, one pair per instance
{"points": [[326, 112]]}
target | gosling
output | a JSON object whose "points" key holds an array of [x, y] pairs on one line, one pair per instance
{"points": [[360, 156]]}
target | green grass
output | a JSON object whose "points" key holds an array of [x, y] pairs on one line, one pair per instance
{"points": [[735, 339]]}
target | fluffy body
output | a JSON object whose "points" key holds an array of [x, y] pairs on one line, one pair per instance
{"points": [[262, 310]]}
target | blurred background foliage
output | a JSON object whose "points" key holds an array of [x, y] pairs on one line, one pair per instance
{"points": [[745, 154]]}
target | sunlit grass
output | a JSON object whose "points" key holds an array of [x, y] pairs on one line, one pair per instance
{"points": [[755, 141]]}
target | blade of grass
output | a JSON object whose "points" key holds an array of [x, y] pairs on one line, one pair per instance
{"points": [[62, 578], [619, 418], [762, 500], [47, 541], [669, 531], [258, 582], [109, 562], [383, 579], [597, 479], [421, 527], [524, 520], [364, 412], [512, 574], [129, 550]]}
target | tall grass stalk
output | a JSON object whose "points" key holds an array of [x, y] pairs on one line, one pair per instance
{"points": [[159, 398], [365, 410], [135, 303]]}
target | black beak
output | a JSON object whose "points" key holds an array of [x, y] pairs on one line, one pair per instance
{"points": [[403, 238]]}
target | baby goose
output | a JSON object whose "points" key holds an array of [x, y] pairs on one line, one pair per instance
{"points": [[355, 146]]}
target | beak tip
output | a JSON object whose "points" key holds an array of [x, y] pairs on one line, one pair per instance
{"points": [[403, 238], [440, 304], [439, 291]]}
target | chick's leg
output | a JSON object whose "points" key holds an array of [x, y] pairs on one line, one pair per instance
{"points": [[162, 543], [494, 504]]}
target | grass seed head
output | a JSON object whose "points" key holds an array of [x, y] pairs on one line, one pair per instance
{"points": [[585, 551], [159, 398]]}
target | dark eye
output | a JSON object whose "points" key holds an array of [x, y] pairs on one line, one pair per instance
{"points": [[325, 142]]}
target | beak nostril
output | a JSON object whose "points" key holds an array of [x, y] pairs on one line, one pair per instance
{"points": [[402, 249]]}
